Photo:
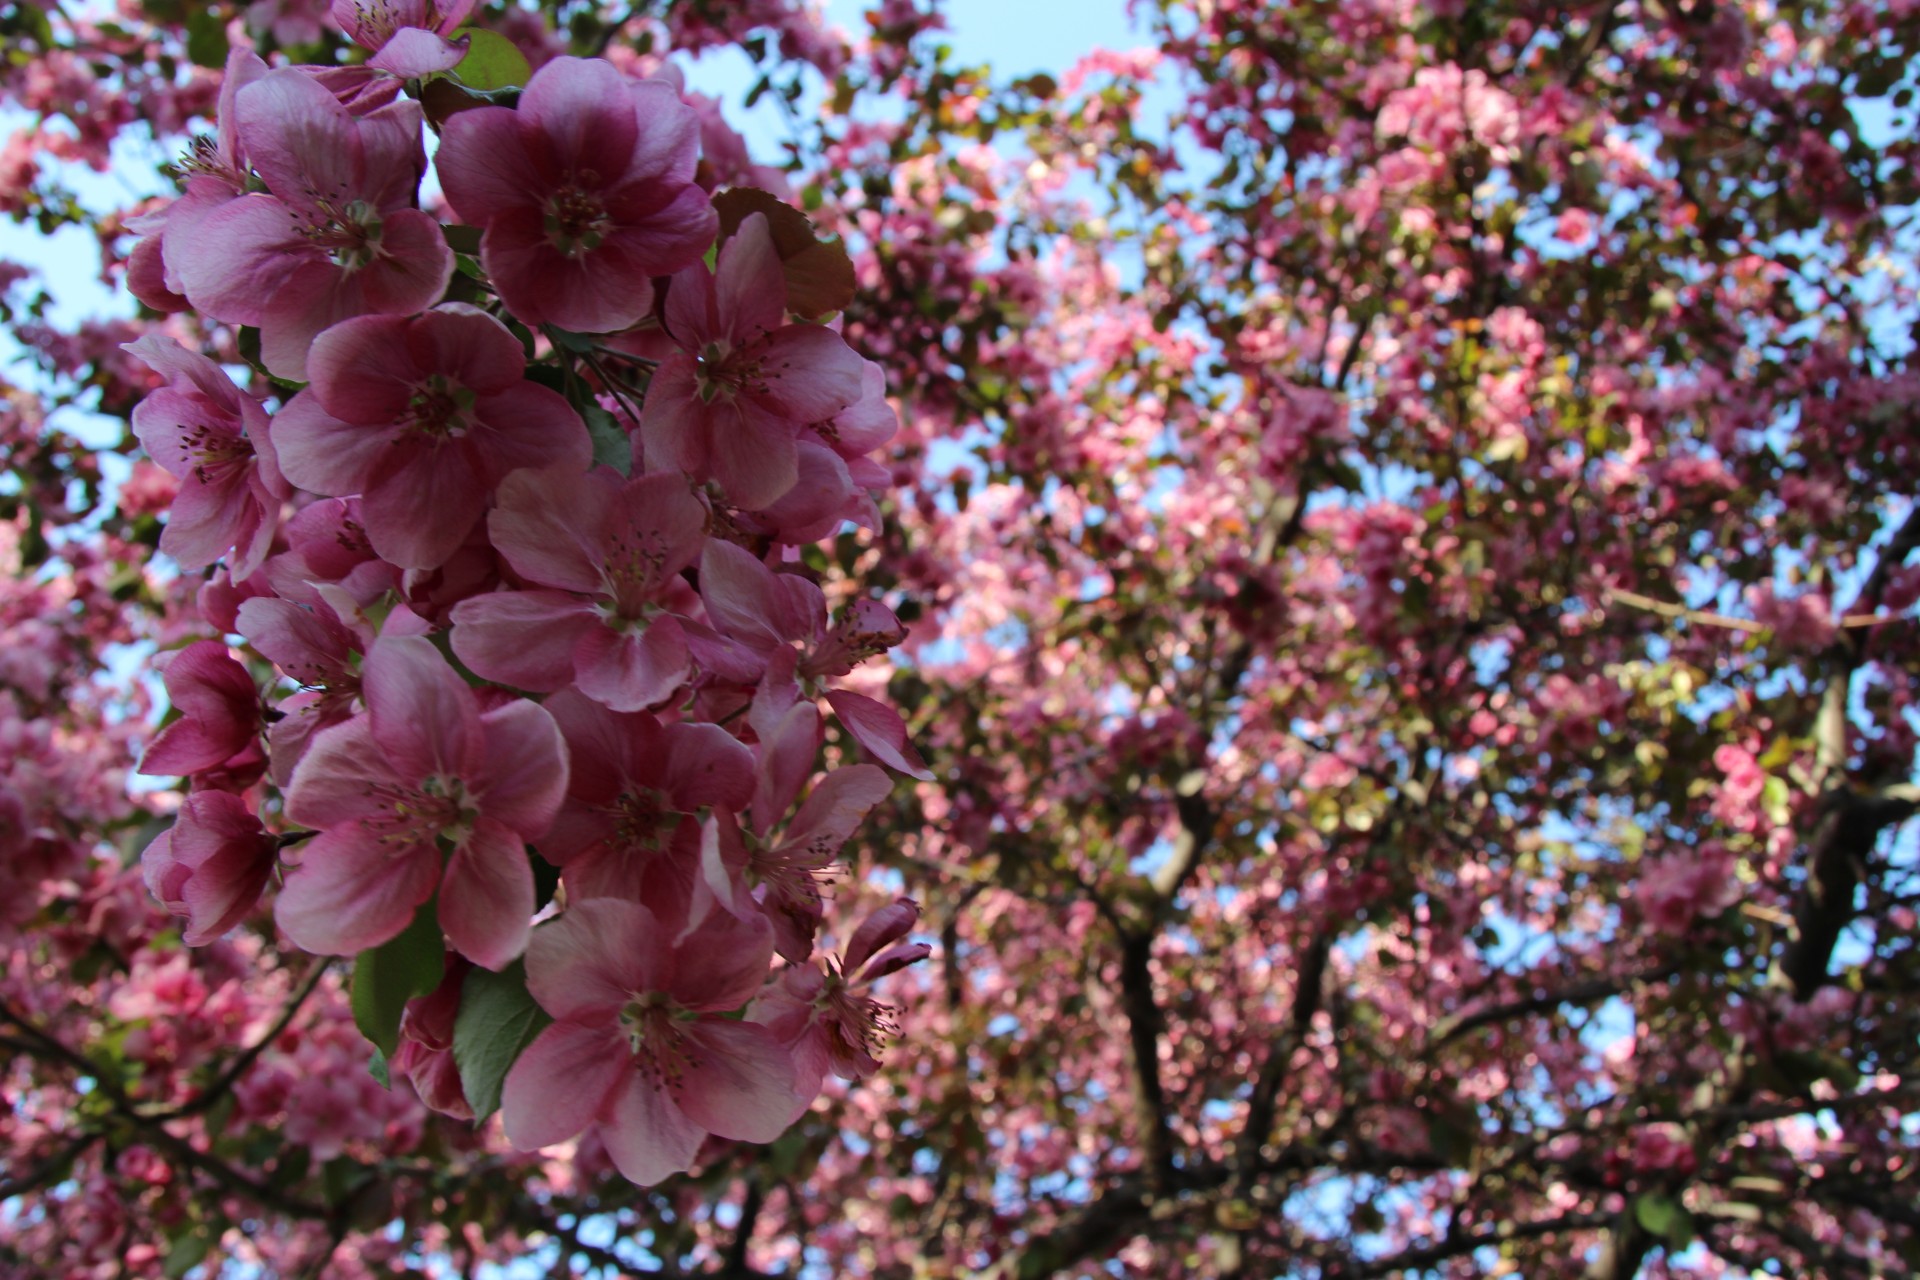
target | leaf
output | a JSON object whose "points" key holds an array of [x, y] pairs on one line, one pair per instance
{"points": [[377, 1068], [188, 1252], [612, 446], [498, 1019], [492, 61], [387, 976], [1663, 1216], [819, 273], [207, 37]]}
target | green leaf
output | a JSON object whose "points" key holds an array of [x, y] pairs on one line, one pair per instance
{"points": [[387, 976], [498, 1019], [207, 37], [492, 61], [1663, 1216], [188, 1252], [377, 1068], [612, 447]]}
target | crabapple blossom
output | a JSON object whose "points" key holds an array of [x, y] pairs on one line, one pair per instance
{"points": [[425, 762], [584, 192]]}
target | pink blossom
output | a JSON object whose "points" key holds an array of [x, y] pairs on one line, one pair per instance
{"points": [[425, 1056], [335, 236], [213, 438], [730, 404], [211, 866], [585, 191], [407, 37], [639, 1049], [606, 556], [822, 1012], [633, 791], [422, 416], [423, 763], [220, 712]]}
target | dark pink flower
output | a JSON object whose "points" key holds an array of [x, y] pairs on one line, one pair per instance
{"points": [[634, 789], [585, 192], [782, 877], [211, 866], [424, 763], [213, 438], [639, 1048], [822, 1012], [611, 552], [422, 416], [220, 712], [767, 613], [335, 236], [425, 1055], [729, 405]]}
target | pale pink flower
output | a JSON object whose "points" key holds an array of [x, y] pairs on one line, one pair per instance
{"points": [[407, 37], [220, 712]]}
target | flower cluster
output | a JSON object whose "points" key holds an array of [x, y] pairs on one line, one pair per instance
{"points": [[543, 646]]}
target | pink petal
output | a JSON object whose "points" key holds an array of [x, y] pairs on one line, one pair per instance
{"points": [[483, 164], [630, 671], [529, 425], [486, 899], [599, 290], [708, 767], [879, 729], [524, 776], [754, 455], [647, 1136], [885, 926], [241, 257], [340, 777], [585, 110], [548, 524], [300, 140], [750, 289], [811, 373], [423, 715], [414, 52], [744, 1088], [522, 639], [469, 346], [322, 454], [352, 891], [722, 964], [421, 502], [560, 1082], [362, 370], [834, 809], [588, 963]]}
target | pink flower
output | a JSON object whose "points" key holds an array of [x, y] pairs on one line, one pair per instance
{"points": [[765, 613], [422, 764], [585, 192], [632, 792], [422, 416], [336, 235], [822, 1012], [220, 713], [612, 552], [212, 437], [639, 1048], [211, 866], [730, 404], [408, 37], [782, 877], [425, 1055]]}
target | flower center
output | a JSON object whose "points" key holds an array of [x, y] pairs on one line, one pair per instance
{"points": [[439, 409], [644, 819], [576, 220], [661, 1053]]}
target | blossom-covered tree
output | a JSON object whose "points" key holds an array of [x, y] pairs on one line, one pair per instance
{"points": [[1399, 530]]}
